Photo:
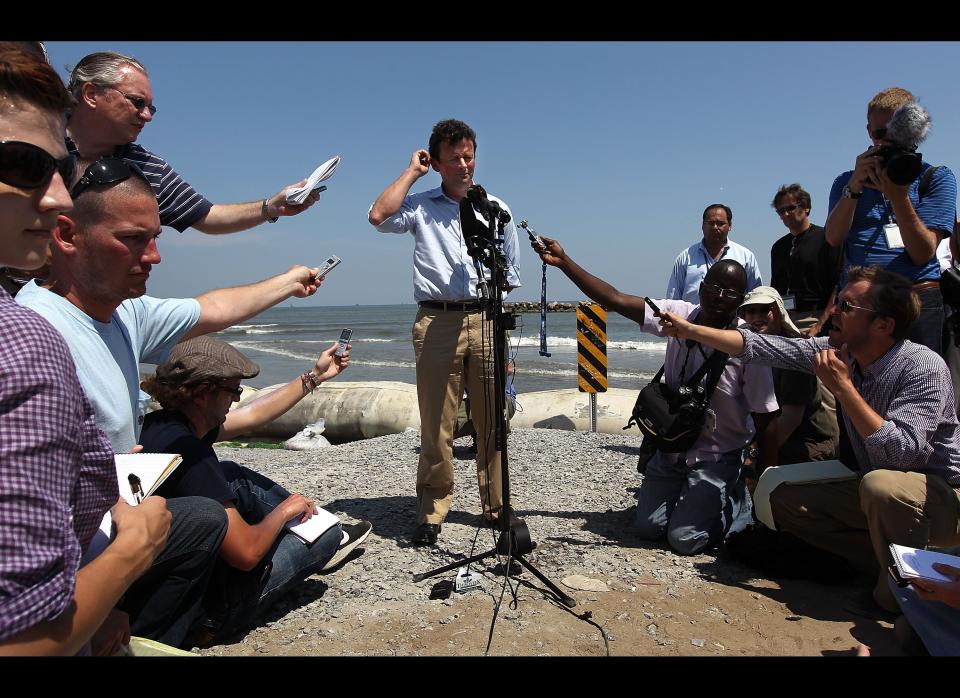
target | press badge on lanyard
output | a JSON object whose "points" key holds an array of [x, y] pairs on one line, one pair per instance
{"points": [[892, 233]]}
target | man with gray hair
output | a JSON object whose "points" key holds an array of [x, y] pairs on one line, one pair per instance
{"points": [[114, 103]]}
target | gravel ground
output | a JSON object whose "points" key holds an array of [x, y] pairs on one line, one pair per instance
{"points": [[576, 492]]}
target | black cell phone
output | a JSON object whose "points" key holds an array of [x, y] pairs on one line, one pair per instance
{"points": [[895, 573], [653, 306]]}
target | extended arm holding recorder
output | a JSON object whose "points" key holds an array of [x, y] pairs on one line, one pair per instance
{"points": [[552, 253]]}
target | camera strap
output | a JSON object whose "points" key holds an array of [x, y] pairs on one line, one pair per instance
{"points": [[924, 186], [714, 364]]}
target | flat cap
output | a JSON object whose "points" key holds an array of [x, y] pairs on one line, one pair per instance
{"points": [[202, 359]]}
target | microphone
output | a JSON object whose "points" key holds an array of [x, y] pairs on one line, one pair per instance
{"points": [[909, 126], [499, 212], [477, 196]]}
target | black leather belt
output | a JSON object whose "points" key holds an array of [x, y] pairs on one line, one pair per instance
{"points": [[460, 306]]}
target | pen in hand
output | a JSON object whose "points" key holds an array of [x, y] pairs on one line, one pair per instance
{"points": [[135, 487]]}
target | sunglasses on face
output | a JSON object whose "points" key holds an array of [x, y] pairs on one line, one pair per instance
{"points": [[722, 292], [29, 166], [879, 133], [107, 170], [138, 102], [787, 209], [845, 306], [234, 392]]}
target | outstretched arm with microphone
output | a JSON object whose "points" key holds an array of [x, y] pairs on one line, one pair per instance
{"points": [[552, 253]]}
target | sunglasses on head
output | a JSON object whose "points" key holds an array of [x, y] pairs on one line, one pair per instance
{"points": [[106, 170], [29, 166], [787, 209]]}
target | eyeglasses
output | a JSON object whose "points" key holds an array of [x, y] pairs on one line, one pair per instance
{"points": [[722, 292], [234, 392], [106, 170], [879, 133], [719, 224], [844, 306], [787, 209], [29, 166], [136, 100]]}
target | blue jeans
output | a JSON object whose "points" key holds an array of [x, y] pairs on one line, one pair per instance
{"points": [[238, 597], [165, 603], [694, 507], [937, 624]]}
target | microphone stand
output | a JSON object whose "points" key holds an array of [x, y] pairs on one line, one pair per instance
{"points": [[514, 539]]}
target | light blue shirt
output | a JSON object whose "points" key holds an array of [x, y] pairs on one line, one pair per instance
{"points": [[693, 264], [108, 354], [442, 269]]}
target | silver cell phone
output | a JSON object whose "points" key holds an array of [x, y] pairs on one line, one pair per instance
{"points": [[327, 266], [344, 339]]}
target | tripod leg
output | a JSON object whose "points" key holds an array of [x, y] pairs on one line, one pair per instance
{"points": [[454, 565], [565, 599]]}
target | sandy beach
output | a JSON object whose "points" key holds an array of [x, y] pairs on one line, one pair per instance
{"points": [[576, 491]]}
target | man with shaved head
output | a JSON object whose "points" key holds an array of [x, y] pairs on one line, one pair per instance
{"points": [[694, 497], [103, 254]]}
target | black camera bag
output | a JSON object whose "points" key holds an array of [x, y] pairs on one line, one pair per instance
{"points": [[673, 419]]}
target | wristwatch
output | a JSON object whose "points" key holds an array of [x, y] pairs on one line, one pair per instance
{"points": [[848, 194], [753, 453], [263, 212]]}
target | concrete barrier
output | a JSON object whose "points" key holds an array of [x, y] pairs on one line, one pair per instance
{"points": [[355, 411]]}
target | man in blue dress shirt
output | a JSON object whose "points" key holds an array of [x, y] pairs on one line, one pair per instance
{"points": [[453, 343]]}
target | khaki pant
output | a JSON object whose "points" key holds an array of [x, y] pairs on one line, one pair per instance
{"points": [[454, 347], [858, 519]]}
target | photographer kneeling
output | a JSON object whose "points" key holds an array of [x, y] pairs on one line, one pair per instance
{"points": [[693, 497]]}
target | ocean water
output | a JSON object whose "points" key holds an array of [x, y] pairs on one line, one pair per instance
{"points": [[285, 342]]}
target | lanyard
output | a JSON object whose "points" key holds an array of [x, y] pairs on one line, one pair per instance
{"points": [[543, 313]]}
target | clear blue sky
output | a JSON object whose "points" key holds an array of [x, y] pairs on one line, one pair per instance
{"points": [[612, 148]]}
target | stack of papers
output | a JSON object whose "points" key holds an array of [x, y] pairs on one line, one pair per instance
{"points": [[914, 563], [297, 195], [314, 527]]}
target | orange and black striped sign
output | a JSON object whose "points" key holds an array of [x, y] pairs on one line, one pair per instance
{"points": [[591, 348]]}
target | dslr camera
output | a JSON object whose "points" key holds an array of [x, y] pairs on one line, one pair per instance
{"points": [[907, 129], [902, 164]]}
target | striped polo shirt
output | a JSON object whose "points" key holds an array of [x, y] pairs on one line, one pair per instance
{"points": [[180, 204]]}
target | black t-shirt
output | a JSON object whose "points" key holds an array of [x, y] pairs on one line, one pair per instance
{"points": [[200, 473], [806, 267], [800, 388]]}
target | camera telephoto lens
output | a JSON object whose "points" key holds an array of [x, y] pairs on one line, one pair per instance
{"points": [[902, 166]]}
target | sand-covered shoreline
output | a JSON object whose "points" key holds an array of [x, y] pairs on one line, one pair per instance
{"points": [[576, 492]]}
